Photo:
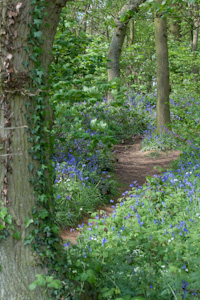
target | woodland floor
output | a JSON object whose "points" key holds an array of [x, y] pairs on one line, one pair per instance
{"points": [[132, 165]]}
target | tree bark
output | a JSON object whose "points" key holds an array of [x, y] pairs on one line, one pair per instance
{"points": [[195, 31], [175, 28], [163, 107], [194, 42], [18, 263], [117, 41]]}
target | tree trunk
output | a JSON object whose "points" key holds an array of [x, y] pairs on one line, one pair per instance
{"points": [[195, 38], [175, 28], [163, 108], [195, 35], [18, 263], [118, 38], [195, 31], [175, 24]]}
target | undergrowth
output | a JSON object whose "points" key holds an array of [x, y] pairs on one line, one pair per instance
{"points": [[148, 247]]}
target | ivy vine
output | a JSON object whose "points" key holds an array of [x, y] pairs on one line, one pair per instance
{"points": [[44, 237]]}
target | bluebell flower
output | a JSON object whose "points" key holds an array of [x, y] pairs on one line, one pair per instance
{"points": [[104, 240]]}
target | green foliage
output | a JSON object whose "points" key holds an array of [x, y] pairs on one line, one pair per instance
{"points": [[149, 248], [182, 61], [118, 259], [74, 199], [163, 141], [5, 222], [79, 68], [138, 60], [47, 283]]}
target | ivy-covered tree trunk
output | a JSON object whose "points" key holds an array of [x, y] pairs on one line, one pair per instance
{"points": [[27, 33], [162, 107], [119, 33]]}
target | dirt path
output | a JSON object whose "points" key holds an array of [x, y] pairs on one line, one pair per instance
{"points": [[132, 165]]}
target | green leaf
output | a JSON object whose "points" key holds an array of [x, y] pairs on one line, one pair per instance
{"points": [[93, 122], [40, 280], [91, 276], [43, 214], [55, 229], [17, 235], [33, 286], [138, 298], [8, 219], [30, 167], [40, 73], [28, 222], [25, 64], [37, 34], [37, 21], [55, 284], [3, 212], [84, 276]]}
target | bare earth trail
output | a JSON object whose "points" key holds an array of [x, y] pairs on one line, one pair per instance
{"points": [[132, 165]]}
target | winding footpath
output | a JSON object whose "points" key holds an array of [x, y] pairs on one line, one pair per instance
{"points": [[132, 165]]}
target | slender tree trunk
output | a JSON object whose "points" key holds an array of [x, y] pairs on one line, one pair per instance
{"points": [[196, 29], [175, 29], [195, 35], [175, 25], [117, 41], [83, 23], [194, 12], [18, 264], [163, 107]]}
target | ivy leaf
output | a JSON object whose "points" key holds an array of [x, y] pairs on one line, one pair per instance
{"points": [[37, 34], [43, 198], [8, 219], [43, 214], [37, 22], [55, 284], [17, 235], [33, 58], [30, 167], [28, 222], [25, 64], [40, 73], [3, 212]]}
